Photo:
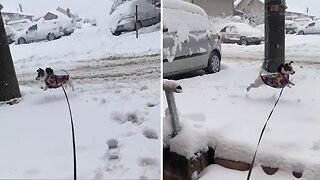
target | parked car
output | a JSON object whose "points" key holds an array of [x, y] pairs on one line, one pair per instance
{"points": [[38, 32], [124, 16], [54, 17], [10, 33], [311, 28], [291, 27], [241, 33], [189, 40]]}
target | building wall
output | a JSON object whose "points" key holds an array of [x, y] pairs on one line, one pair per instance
{"points": [[216, 8], [251, 7]]}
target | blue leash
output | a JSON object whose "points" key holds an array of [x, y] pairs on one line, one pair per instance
{"points": [[264, 128]]}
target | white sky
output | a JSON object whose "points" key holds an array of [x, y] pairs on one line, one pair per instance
{"points": [[313, 5]]}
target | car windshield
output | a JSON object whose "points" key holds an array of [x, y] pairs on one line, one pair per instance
{"points": [[33, 28]]}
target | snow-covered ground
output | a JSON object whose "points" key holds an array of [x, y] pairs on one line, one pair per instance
{"points": [[35, 135], [215, 110], [117, 96]]}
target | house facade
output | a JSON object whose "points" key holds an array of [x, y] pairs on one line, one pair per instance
{"points": [[14, 16]]}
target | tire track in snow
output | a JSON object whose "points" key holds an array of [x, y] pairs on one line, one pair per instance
{"points": [[99, 71]]}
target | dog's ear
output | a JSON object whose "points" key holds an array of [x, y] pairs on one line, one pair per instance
{"points": [[280, 67], [290, 63], [49, 71], [39, 70]]}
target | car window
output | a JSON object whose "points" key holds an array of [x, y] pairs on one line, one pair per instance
{"points": [[33, 28], [224, 29], [233, 29], [312, 24]]}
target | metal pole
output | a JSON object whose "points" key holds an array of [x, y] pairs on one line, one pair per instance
{"points": [[274, 34], [137, 36], [173, 113], [9, 88], [170, 87]]}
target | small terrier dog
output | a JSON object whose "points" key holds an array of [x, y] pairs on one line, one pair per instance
{"points": [[279, 79], [54, 81]]}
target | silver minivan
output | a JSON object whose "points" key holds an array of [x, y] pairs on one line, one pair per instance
{"points": [[189, 41]]}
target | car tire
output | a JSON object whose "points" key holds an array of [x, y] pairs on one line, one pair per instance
{"points": [[51, 36], [21, 40], [258, 43], [117, 33], [213, 63], [243, 41], [301, 32]]}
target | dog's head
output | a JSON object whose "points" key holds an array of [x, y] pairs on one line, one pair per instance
{"points": [[41, 74], [44, 73], [49, 71], [286, 68]]}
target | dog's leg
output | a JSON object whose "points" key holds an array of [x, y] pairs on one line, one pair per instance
{"points": [[70, 83], [257, 83]]}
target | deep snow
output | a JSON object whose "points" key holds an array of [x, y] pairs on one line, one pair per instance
{"points": [[215, 110], [35, 135]]}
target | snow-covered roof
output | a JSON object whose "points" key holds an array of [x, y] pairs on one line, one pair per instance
{"points": [[14, 11], [59, 14]]}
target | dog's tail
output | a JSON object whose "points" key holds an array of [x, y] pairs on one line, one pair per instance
{"points": [[65, 72]]}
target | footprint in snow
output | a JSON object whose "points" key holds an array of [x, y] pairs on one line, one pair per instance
{"points": [[111, 159], [150, 133], [133, 117], [113, 150]]}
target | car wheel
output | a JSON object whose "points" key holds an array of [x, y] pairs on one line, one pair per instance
{"points": [[22, 41], [301, 32], [51, 37], [213, 63], [243, 41], [117, 33], [257, 43]]}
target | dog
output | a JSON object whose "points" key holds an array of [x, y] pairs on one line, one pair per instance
{"points": [[280, 79], [52, 80]]}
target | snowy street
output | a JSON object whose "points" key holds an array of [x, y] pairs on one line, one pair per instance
{"points": [[229, 119]]}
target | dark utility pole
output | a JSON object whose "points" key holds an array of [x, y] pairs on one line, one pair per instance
{"points": [[9, 87], [137, 26], [274, 34]]}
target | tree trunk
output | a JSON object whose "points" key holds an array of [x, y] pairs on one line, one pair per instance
{"points": [[9, 87]]}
